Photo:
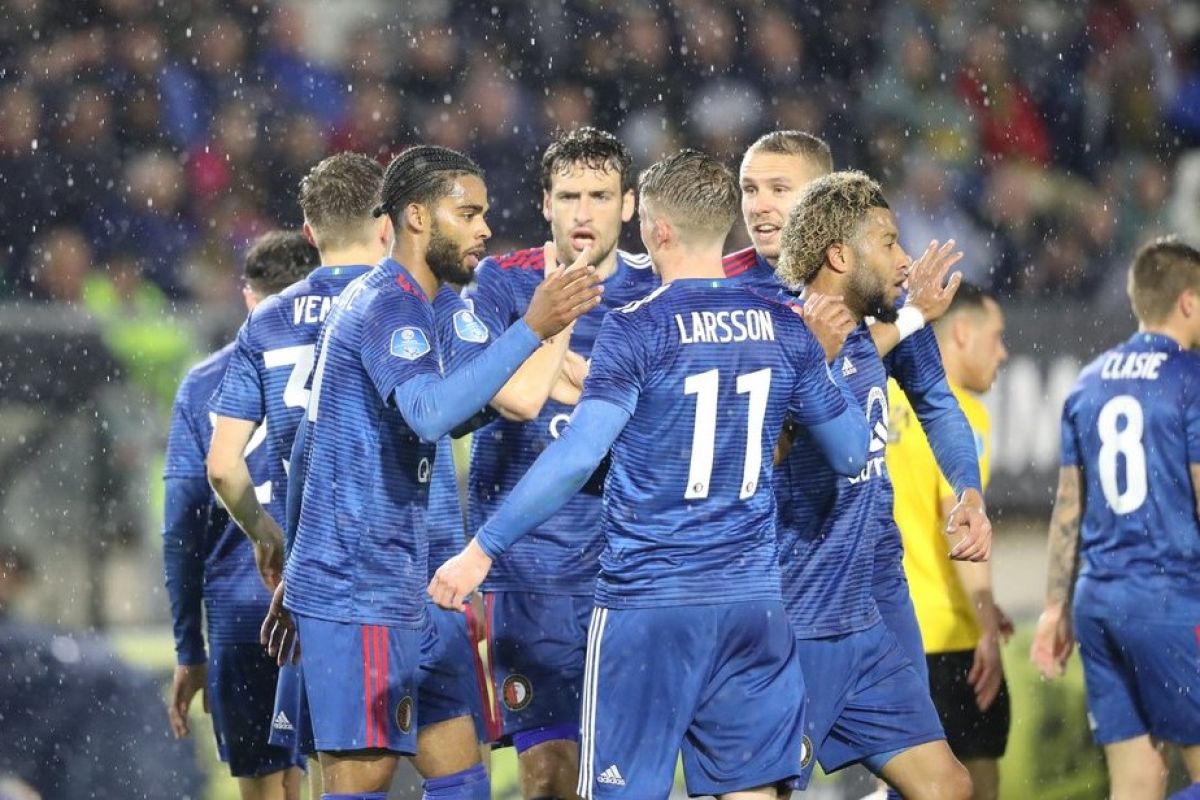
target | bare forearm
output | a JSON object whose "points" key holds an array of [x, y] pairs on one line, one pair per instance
{"points": [[1063, 546], [523, 396], [975, 577], [885, 335], [234, 487]]}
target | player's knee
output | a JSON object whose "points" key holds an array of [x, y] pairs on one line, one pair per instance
{"points": [[549, 769]]}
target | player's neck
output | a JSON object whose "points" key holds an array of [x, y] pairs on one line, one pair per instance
{"points": [[678, 263], [407, 253], [348, 256], [1169, 330], [608, 266], [830, 283]]}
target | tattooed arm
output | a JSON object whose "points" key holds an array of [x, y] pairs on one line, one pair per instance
{"points": [[1053, 640]]}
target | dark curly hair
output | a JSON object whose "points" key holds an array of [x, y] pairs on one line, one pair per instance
{"points": [[591, 148], [278, 259]]}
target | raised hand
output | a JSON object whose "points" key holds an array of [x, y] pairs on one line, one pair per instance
{"points": [[928, 290], [829, 320], [564, 294]]}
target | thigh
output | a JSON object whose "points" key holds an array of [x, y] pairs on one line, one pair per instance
{"points": [[1113, 709], [889, 709], [536, 647], [241, 694], [747, 730], [971, 733], [645, 671], [360, 683], [1163, 657], [828, 669], [448, 685]]}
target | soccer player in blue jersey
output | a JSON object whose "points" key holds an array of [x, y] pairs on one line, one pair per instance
{"points": [[265, 390], [355, 575], [689, 646], [538, 598], [1124, 548], [774, 172], [867, 702], [209, 563]]}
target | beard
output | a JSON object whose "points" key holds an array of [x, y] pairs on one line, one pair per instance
{"points": [[867, 296], [445, 259]]}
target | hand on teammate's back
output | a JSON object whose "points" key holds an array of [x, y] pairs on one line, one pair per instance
{"points": [[564, 294], [969, 523], [928, 290], [829, 320]]}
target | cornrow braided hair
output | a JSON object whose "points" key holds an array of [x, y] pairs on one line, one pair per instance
{"points": [[421, 174]]}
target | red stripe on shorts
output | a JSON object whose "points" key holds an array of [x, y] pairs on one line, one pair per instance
{"points": [[368, 707]]}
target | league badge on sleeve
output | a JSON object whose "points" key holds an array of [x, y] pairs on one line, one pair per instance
{"points": [[469, 327], [409, 343]]}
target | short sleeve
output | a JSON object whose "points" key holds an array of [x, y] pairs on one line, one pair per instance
{"points": [[462, 335], [186, 444], [398, 341], [916, 363], [620, 363], [491, 298], [815, 397], [241, 394]]}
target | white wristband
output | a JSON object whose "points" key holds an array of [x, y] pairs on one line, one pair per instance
{"points": [[909, 320]]}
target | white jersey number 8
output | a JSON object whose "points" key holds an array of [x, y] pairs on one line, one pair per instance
{"points": [[1120, 426]]}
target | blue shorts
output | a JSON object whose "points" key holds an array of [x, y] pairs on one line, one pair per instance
{"points": [[241, 689], [1142, 677], [450, 684], [536, 645], [866, 702], [894, 599], [720, 682], [361, 684], [291, 725]]}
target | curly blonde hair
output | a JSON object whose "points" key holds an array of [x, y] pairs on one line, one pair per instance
{"points": [[830, 211]]}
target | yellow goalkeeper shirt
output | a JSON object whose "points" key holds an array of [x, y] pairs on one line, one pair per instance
{"points": [[943, 611]]}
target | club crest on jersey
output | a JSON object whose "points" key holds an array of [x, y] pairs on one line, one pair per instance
{"points": [[806, 751], [404, 714], [516, 692], [409, 343], [469, 327]]}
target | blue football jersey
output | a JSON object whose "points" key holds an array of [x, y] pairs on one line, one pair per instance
{"points": [[361, 547], [1132, 425], [461, 337], [916, 364], [747, 268], [559, 556], [235, 599], [827, 522], [708, 370], [268, 376]]}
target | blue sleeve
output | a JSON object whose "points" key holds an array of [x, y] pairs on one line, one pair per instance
{"points": [[241, 394], [557, 474], [432, 405], [817, 396], [844, 438], [619, 363], [916, 364], [185, 519], [491, 297]]}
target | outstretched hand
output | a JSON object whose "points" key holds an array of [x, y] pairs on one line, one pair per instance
{"points": [[928, 290]]}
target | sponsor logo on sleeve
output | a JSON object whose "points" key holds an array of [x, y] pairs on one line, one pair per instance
{"points": [[409, 343], [469, 327]]}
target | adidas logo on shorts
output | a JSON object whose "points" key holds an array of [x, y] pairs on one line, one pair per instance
{"points": [[281, 722], [611, 776]]}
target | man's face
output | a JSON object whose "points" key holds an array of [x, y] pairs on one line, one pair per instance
{"points": [[771, 185], [984, 349], [585, 208], [880, 265], [459, 233]]}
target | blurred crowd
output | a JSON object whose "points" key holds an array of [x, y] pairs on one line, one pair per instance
{"points": [[144, 144]]}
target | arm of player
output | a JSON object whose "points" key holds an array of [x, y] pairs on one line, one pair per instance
{"points": [[1053, 639], [230, 479], [844, 437], [433, 405], [929, 295], [569, 386], [557, 474]]}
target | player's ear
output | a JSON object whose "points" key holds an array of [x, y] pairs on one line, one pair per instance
{"points": [[546, 205], [837, 256], [1188, 302], [309, 235], [415, 217], [384, 230], [628, 204]]}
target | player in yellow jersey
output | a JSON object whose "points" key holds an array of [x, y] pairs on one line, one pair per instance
{"points": [[960, 623]]}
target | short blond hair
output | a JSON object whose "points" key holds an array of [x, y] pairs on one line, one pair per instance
{"points": [[1161, 271], [830, 211], [695, 191]]}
